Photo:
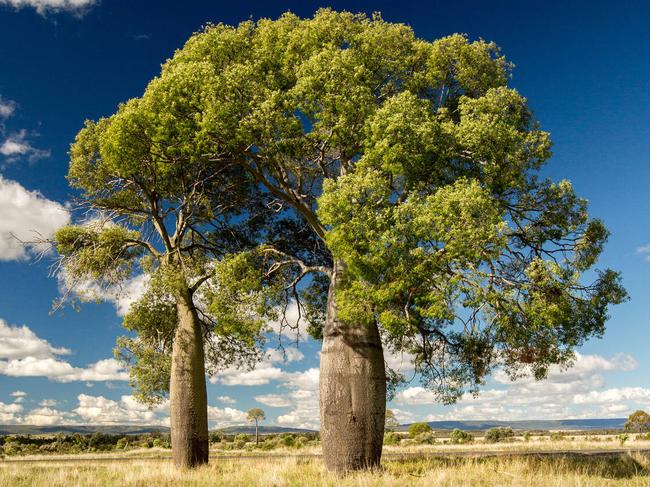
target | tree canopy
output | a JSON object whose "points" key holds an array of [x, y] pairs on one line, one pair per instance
{"points": [[417, 166]]}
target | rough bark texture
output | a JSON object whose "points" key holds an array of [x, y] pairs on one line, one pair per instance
{"points": [[352, 391], [188, 397]]}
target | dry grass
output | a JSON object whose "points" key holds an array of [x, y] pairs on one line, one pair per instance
{"points": [[629, 470]]}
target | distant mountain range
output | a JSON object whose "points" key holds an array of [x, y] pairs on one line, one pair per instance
{"points": [[559, 424], [113, 429], [533, 424]]}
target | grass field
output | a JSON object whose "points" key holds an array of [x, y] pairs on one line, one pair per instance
{"points": [[290, 468]]}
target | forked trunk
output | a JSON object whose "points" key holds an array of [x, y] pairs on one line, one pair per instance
{"points": [[352, 391], [187, 391]]}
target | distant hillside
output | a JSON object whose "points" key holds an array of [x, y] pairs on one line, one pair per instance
{"points": [[535, 424], [117, 429], [264, 430], [560, 424]]}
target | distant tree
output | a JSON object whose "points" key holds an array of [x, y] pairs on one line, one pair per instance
{"points": [[496, 435], [256, 414], [391, 420], [418, 428], [638, 422], [460, 437]]}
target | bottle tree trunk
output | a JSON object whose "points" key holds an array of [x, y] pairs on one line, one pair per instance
{"points": [[352, 390], [257, 438], [187, 390]]}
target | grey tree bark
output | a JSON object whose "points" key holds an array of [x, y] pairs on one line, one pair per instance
{"points": [[352, 390], [187, 390]]}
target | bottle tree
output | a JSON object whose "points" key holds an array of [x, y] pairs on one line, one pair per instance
{"points": [[153, 205], [408, 211], [256, 415]]}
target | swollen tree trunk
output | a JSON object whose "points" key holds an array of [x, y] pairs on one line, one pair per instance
{"points": [[257, 438], [187, 391], [352, 390]]}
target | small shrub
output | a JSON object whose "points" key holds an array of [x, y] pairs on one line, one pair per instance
{"points": [[300, 442], [622, 438], [643, 437], [121, 443], [426, 438], [527, 436], [242, 437], [460, 437], [417, 428], [557, 436], [499, 435], [392, 438]]}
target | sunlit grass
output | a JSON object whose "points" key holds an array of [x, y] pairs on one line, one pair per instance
{"points": [[280, 472]]}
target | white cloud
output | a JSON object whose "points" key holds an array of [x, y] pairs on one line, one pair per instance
{"points": [[24, 354], [43, 7], [7, 108], [26, 216], [225, 416], [577, 392], [16, 146], [18, 394], [122, 296], [9, 413], [46, 416], [17, 342], [293, 328], [401, 362], [48, 403], [226, 400], [264, 372], [101, 410], [274, 400]]}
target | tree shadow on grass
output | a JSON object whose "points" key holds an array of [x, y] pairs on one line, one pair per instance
{"points": [[621, 466]]}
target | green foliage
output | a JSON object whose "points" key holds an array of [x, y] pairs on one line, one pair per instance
{"points": [[622, 438], [255, 414], [417, 428], [638, 422], [390, 420], [392, 438], [557, 436], [460, 437], [242, 437], [499, 435], [417, 165], [342, 138]]}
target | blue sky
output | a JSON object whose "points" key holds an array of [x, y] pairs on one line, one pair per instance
{"points": [[584, 67]]}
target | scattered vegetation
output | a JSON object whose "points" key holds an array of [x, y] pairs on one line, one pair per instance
{"points": [[416, 429], [504, 472], [460, 437], [499, 435]]}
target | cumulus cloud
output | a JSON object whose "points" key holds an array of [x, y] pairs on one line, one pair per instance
{"points": [[10, 413], [226, 400], [265, 371], [16, 146], [122, 296], [24, 354], [220, 417], [43, 7], [274, 400], [25, 216], [101, 410], [48, 403], [7, 108], [578, 392], [45, 416]]}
